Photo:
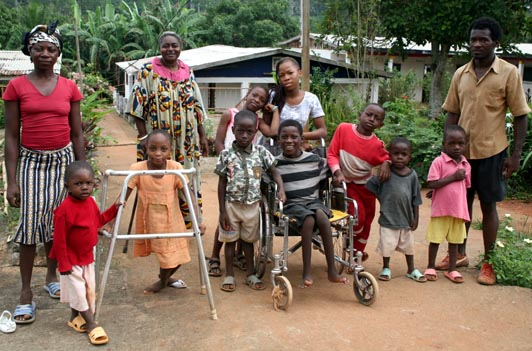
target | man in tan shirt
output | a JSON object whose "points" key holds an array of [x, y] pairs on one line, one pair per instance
{"points": [[481, 92]]}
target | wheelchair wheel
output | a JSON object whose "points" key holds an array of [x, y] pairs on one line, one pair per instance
{"points": [[367, 289], [263, 247], [282, 293], [338, 244]]}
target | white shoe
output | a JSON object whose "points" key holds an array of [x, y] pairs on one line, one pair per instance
{"points": [[7, 324]]}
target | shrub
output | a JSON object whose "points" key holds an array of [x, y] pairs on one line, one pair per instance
{"points": [[404, 119], [401, 85], [2, 116], [519, 185], [511, 256], [94, 83], [92, 114]]}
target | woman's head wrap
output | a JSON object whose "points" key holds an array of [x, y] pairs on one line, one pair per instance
{"points": [[42, 32]]}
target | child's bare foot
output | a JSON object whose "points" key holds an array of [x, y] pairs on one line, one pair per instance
{"points": [[307, 282], [154, 288], [338, 279]]}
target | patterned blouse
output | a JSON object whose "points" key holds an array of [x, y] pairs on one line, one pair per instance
{"points": [[170, 104]]}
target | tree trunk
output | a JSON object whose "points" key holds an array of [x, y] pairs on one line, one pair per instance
{"points": [[440, 55]]}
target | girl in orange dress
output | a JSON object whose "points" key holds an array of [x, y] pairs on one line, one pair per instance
{"points": [[158, 211]]}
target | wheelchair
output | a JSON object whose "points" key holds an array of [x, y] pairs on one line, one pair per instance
{"points": [[274, 223]]}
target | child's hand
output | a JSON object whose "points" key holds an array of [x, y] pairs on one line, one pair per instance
{"points": [[224, 222], [459, 175], [414, 225], [339, 176], [66, 273], [270, 107], [429, 194], [282, 196], [305, 146], [108, 228], [384, 171]]}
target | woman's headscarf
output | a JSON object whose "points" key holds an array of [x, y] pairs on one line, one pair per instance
{"points": [[42, 32]]}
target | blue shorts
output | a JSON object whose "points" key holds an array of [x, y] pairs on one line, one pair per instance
{"points": [[487, 179]]}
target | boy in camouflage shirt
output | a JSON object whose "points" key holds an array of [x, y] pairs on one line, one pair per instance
{"points": [[240, 169]]}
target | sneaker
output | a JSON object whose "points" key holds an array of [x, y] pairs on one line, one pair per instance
{"points": [[461, 261], [487, 275]]}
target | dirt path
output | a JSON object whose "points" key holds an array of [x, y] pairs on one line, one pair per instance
{"points": [[406, 316]]}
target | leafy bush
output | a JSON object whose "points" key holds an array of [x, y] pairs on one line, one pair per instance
{"points": [[404, 119], [401, 85], [94, 83], [511, 256], [339, 104], [519, 185], [92, 114], [2, 116]]}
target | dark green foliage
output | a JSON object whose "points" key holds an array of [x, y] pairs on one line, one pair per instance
{"points": [[511, 256], [519, 185], [250, 23], [403, 118]]}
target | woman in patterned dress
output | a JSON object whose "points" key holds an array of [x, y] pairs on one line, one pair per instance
{"points": [[166, 96]]}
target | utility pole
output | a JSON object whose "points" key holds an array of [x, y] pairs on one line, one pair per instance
{"points": [[305, 44]]}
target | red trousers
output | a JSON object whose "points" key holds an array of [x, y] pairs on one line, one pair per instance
{"points": [[366, 212]]}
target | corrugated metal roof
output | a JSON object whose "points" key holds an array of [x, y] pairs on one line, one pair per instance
{"points": [[205, 57], [15, 63], [217, 55], [385, 44]]}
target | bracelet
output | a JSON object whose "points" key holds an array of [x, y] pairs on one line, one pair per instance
{"points": [[275, 107], [142, 138]]}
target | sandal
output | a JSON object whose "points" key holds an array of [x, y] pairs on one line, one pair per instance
{"points": [[255, 283], [229, 284], [240, 262], [98, 336], [78, 324], [29, 309], [214, 268], [454, 276], [431, 275], [53, 289], [416, 276], [7, 324], [177, 284], [385, 275]]}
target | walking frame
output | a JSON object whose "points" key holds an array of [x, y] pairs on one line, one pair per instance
{"points": [[114, 236]]}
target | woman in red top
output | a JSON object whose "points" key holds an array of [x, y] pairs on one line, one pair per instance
{"points": [[43, 135]]}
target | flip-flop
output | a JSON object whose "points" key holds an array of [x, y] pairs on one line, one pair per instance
{"points": [[7, 324], [416, 276], [240, 262], [178, 284], [78, 324], [52, 289], [385, 274], [430, 274], [229, 284], [29, 309], [98, 336], [255, 283], [214, 268], [454, 276]]}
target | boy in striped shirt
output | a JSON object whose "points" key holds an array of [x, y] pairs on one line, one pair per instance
{"points": [[302, 172]]}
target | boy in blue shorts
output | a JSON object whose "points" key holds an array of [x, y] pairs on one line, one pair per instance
{"points": [[240, 169], [302, 172]]}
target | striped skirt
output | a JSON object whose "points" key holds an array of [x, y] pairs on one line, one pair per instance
{"points": [[40, 177]]}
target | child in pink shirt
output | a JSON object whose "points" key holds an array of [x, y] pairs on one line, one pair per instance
{"points": [[449, 176]]}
